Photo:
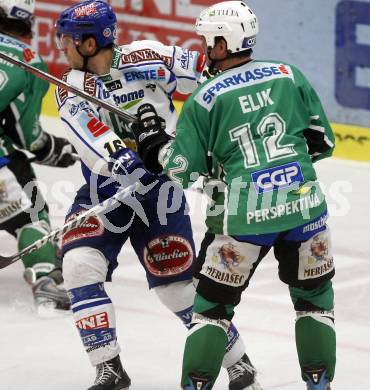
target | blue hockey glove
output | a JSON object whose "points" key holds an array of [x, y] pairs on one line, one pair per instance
{"points": [[150, 136], [127, 168]]}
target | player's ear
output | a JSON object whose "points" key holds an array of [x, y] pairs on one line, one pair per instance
{"points": [[221, 46], [89, 45]]}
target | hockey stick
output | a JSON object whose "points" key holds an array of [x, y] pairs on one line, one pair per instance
{"points": [[68, 87], [74, 156], [78, 220]]}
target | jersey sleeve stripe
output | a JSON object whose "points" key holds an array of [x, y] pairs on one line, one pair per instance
{"points": [[321, 129]]}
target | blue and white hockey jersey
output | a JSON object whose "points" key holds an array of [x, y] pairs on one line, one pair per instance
{"points": [[142, 72]]}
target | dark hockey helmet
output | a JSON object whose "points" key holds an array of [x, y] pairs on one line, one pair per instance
{"points": [[92, 17], [16, 17]]}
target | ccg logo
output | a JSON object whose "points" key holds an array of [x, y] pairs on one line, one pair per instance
{"points": [[282, 176], [249, 42], [20, 13]]}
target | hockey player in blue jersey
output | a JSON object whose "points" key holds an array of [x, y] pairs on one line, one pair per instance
{"points": [[126, 76]]}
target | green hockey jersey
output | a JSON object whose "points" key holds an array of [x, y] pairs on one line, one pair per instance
{"points": [[21, 96], [254, 131]]}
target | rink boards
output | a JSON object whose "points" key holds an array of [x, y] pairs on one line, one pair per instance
{"points": [[352, 142], [328, 40]]}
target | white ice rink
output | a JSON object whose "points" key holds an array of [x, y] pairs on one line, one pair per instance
{"points": [[46, 354]]}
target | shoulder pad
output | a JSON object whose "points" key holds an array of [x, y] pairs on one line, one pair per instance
{"points": [[82, 80]]}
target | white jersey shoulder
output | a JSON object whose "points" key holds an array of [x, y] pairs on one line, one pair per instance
{"points": [[146, 51], [83, 81], [184, 65]]}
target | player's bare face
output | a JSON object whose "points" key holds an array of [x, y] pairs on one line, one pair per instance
{"points": [[217, 53], [68, 45]]}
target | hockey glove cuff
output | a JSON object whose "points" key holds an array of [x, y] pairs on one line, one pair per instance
{"points": [[127, 169]]}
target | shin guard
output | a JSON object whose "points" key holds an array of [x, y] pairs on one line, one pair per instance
{"points": [[204, 349], [314, 328], [95, 320]]}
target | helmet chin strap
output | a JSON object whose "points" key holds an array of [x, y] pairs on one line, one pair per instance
{"points": [[86, 58], [212, 67]]}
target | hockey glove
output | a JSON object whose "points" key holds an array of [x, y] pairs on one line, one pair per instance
{"points": [[56, 152], [150, 136], [127, 169], [318, 147]]}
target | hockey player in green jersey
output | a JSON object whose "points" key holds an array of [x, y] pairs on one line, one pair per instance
{"points": [[254, 130], [21, 95]]}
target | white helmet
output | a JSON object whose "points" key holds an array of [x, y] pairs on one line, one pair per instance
{"points": [[18, 9], [232, 20]]}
